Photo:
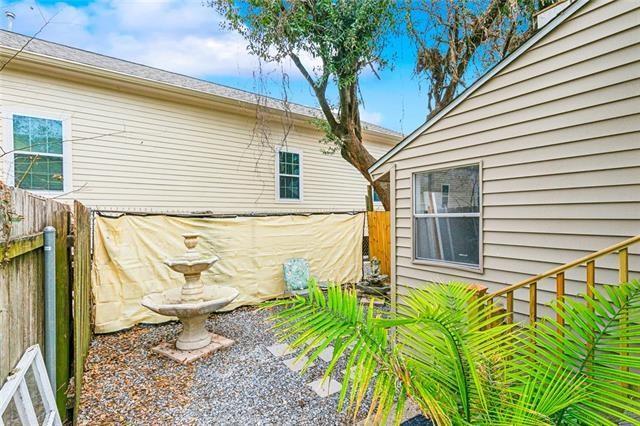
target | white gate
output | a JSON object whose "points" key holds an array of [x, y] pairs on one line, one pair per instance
{"points": [[16, 389]]}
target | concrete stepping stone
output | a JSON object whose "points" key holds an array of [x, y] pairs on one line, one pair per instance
{"points": [[325, 388], [280, 349], [295, 364], [327, 354]]}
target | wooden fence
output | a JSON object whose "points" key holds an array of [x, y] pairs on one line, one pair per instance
{"points": [[82, 314], [380, 238], [23, 218]]}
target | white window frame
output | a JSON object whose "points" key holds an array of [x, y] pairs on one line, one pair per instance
{"points": [[376, 203], [7, 137], [277, 174], [15, 389], [446, 263]]}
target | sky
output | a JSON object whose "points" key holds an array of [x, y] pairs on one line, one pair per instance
{"points": [[185, 37]]}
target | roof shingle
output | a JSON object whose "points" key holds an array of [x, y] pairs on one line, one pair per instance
{"points": [[17, 41]]}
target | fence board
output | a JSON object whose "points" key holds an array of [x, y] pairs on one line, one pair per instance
{"points": [[380, 239], [82, 294], [23, 214], [59, 218]]}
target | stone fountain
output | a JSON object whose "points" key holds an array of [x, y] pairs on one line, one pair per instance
{"points": [[192, 304], [374, 283]]}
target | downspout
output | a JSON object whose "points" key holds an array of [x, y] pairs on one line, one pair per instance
{"points": [[50, 304]]}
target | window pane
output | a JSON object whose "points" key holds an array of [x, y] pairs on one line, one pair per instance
{"points": [[54, 137], [289, 187], [37, 134], [289, 163], [282, 161], [38, 172], [451, 239], [448, 191], [20, 132]]}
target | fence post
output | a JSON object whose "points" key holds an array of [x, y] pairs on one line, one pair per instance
{"points": [[479, 292], [50, 303]]}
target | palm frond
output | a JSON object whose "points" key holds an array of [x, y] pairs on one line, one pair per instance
{"points": [[314, 322], [591, 348]]}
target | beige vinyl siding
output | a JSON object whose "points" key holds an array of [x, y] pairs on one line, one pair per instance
{"points": [[137, 152], [558, 135]]}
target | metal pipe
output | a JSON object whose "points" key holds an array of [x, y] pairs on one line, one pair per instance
{"points": [[10, 18], [50, 304]]}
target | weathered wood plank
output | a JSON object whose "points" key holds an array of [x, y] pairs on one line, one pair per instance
{"points": [[22, 245], [82, 293], [380, 238], [23, 219]]}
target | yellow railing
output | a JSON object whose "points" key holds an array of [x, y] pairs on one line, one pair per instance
{"points": [[622, 248]]}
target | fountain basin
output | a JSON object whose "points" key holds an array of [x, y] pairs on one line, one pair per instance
{"points": [[168, 302], [192, 314]]}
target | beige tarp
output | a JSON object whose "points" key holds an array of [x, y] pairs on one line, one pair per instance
{"points": [[129, 250]]}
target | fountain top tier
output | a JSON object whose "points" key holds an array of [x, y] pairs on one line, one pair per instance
{"points": [[192, 263]]}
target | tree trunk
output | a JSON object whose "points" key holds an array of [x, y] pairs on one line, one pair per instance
{"points": [[355, 153]]}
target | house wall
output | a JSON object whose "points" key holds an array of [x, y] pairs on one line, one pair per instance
{"points": [[138, 152], [557, 133]]}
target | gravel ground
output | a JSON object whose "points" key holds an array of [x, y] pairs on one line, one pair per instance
{"points": [[126, 383]]}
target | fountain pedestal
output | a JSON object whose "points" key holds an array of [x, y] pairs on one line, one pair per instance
{"points": [[192, 304], [169, 350]]}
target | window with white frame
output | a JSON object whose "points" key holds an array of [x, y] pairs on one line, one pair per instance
{"points": [[288, 174], [446, 215], [37, 153], [374, 196]]}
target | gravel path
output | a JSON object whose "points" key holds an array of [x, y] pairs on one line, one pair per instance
{"points": [[126, 383]]}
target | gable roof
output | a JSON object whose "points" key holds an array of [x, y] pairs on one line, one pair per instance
{"points": [[21, 43], [562, 16]]}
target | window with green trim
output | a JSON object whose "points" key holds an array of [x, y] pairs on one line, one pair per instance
{"points": [[289, 176], [38, 153]]}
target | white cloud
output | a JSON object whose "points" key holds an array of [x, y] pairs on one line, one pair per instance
{"points": [[177, 35], [371, 116]]}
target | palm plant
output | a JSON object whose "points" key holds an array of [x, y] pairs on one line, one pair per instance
{"points": [[460, 364]]}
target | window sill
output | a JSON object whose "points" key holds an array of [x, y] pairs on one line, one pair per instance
{"points": [[288, 201], [450, 265]]}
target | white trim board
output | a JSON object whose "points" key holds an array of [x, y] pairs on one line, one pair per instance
{"points": [[481, 81]]}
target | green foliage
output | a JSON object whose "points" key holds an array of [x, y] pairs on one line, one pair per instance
{"points": [[460, 367], [345, 34], [330, 42], [591, 348], [331, 143]]}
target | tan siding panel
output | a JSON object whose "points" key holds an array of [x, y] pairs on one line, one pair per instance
{"points": [[609, 69], [606, 177], [566, 49], [138, 152], [605, 194], [541, 127], [623, 127], [557, 133]]}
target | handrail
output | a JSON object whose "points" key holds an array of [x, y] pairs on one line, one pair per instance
{"points": [[559, 272], [562, 268]]}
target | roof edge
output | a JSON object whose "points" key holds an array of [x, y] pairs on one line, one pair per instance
{"points": [[99, 71], [562, 16]]}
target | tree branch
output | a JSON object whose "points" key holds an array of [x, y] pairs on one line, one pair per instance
{"points": [[24, 46], [319, 90]]}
